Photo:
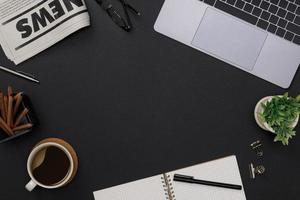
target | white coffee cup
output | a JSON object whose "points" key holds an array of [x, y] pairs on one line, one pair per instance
{"points": [[66, 148]]}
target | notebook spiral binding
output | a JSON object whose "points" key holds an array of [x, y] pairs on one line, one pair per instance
{"points": [[168, 188]]}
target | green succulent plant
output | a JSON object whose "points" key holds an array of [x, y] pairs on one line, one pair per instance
{"points": [[280, 113]]}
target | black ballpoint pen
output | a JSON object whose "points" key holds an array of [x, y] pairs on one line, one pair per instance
{"points": [[190, 179]]}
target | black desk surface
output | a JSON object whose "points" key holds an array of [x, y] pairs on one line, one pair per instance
{"points": [[135, 105]]}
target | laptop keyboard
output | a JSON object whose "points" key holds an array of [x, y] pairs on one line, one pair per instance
{"points": [[279, 17]]}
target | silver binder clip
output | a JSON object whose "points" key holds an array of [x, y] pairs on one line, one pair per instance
{"points": [[254, 171], [257, 146]]}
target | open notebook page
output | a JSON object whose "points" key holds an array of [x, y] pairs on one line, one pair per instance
{"points": [[144, 189], [224, 170]]}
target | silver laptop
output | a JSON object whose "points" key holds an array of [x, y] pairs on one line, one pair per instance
{"points": [[261, 37]]}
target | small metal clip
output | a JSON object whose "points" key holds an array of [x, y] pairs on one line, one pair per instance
{"points": [[257, 146], [258, 170]]}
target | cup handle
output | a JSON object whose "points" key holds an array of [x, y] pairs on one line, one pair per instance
{"points": [[30, 185]]}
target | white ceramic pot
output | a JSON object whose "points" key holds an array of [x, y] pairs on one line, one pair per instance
{"points": [[259, 109]]}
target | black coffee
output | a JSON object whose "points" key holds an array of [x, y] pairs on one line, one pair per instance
{"points": [[53, 168]]}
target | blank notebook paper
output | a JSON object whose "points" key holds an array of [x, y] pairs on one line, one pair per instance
{"points": [[162, 187]]}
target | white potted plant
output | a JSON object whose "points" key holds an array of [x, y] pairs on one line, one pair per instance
{"points": [[278, 114]]}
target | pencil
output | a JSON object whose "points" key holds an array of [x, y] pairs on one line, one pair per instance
{"points": [[9, 91], [20, 117], [5, 107], [2, 105], [9, 111], [5, 127], [22, 127], [18, 98]]}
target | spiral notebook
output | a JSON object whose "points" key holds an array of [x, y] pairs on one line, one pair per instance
{"points": [[162, 187]]}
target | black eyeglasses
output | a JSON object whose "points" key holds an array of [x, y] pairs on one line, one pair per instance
{"points": [[125, 24]]}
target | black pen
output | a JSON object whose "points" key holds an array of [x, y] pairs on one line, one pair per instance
{"points": [[190, 179]]}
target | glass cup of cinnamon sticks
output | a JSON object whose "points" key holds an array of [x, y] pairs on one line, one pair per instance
{"points": [[16, 115]]}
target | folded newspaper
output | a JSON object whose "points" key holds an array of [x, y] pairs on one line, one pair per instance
{"points": [[28, 27]]}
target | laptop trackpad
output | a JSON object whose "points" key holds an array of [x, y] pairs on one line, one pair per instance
{"points": [[229, 39]]}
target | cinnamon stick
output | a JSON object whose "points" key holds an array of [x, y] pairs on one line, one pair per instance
{"points": [[20, 117], [10, 111], [18, 98], [6, 128], [22, 127]]}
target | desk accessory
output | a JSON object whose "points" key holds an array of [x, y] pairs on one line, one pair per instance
{"points": [[222, 30], [278, 114], [191, 179], [126, 23], [257, 146], [52, 163], [20, 74], [17, 116], [254, 171], [163, 187], [260, 169]]}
